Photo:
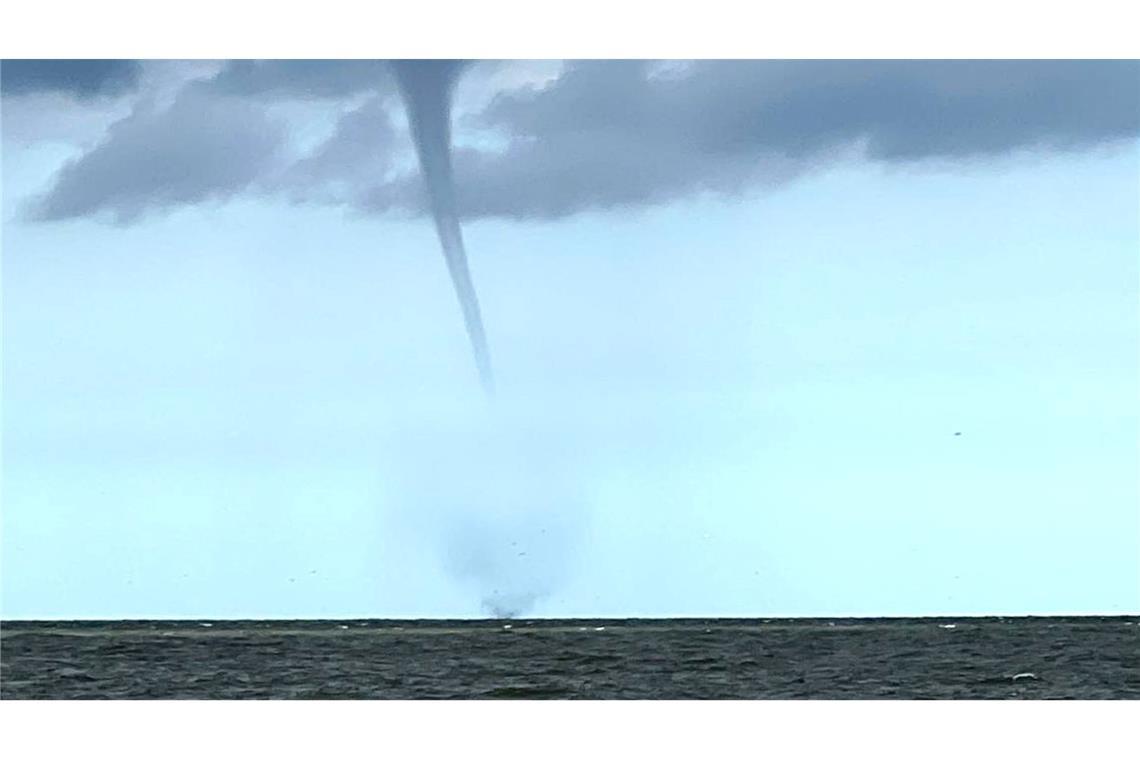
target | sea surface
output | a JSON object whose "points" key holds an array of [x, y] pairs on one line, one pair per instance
{"points": [[928, 658]]}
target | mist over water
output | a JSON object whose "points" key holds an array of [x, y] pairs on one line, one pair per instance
{"points": [[427, 88], [501, 507]]}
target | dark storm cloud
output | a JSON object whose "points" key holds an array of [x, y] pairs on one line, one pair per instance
{"points": [[83, 79], [359, 152], [604, 134], [303, 79], [611, 134], [200, 148]]}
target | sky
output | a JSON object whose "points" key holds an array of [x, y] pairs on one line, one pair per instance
{"points": [[770, 338]]}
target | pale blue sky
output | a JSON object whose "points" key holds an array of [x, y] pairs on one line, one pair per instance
{"points": [[728, 404]]}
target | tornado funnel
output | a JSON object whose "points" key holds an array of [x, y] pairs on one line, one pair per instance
{"points": [[426, 87]]}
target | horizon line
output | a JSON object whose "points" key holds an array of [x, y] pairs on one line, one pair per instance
{"points": [[939, 616]]}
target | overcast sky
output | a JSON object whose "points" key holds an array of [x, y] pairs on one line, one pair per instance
{"points": [[814, 337]]}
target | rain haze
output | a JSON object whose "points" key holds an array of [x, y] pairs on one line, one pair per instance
{"points": [[769, 338]]}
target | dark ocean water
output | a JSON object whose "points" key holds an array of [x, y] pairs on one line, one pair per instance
{"points": [[974, 658]]}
